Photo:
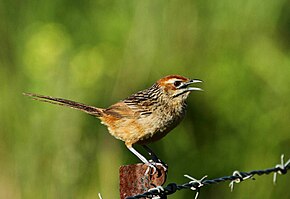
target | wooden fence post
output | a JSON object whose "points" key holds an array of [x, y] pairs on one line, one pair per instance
{"points": [[133, 180]]}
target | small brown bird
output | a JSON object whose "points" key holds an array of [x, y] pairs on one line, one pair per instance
{"points": [[145, 116]]}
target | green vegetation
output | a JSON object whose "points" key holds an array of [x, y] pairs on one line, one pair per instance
{"points": [[98, 52]]}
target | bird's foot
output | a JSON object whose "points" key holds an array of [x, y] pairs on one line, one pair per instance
{"points": [[153, 167], [160, 163]]}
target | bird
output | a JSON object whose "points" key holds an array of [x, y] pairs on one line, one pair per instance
{"points": [[143, 117]]}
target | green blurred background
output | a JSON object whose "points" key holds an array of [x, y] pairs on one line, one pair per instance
{"points": [[98, 52]]}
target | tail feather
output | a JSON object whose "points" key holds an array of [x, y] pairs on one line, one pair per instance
{"points": [[64, 102]]}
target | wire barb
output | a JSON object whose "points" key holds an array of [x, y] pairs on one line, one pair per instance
{"points": [[282, 168], [196, 185], [158, 189], [239, 178], [100, 196]]}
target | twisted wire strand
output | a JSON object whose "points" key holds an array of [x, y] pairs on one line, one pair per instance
{"points": [[196, 185]]}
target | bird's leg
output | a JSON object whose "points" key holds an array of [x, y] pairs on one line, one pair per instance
{"points": [[155, 159], [144, 160], [152, 154], [141, 157]]}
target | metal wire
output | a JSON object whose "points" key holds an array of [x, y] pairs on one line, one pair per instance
{"points": [[196, 185]]}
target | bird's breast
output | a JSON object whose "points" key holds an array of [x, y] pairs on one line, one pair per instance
{"points": [[160, 123], [146, 128]]}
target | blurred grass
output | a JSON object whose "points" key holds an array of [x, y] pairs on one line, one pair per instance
{"points": [[99, 52]]}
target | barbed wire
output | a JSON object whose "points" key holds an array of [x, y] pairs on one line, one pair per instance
{"points": [[195, 185]]}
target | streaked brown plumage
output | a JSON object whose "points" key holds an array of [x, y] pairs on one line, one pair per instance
{"points": [[145, 116]]}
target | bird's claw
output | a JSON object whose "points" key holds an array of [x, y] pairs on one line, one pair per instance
{"points": [[160, 163], [154, 166]]}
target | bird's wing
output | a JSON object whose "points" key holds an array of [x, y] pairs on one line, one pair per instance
{"points": [[120, 110], [137, 105], [140, 104]]}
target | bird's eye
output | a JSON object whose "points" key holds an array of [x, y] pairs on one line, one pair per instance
{"points": [[177, 83]]}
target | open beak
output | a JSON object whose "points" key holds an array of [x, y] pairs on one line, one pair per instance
{"points": [[193, 81]]}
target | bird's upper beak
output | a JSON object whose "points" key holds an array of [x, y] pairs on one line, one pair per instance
{"points": [[192, 81]]}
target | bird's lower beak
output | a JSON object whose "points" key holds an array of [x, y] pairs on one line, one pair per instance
{"points": [[193, 81]]}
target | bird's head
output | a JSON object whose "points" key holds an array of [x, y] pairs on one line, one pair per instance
{"points": [[178, 87]]}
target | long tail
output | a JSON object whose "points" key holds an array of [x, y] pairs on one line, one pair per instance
{"points": [[63, 102]]}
